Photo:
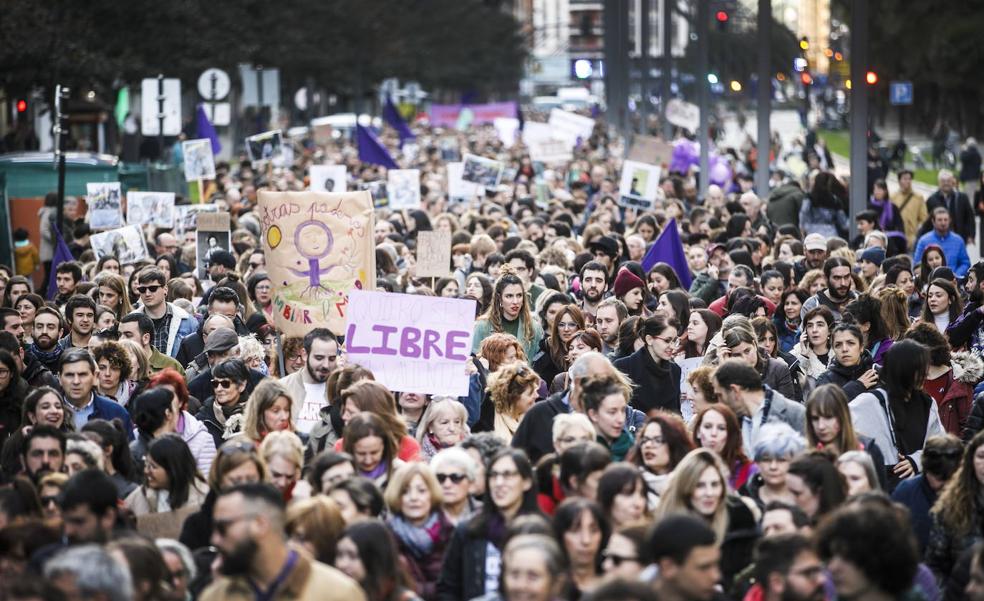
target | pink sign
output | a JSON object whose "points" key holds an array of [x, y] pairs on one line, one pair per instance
{"points": [[411, 343], [446, 115]]}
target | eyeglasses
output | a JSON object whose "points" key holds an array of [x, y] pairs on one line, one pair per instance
{"points": [[454, 478], [617, 559], [656, 440], [504, 474], [151, 289], [223, 383], [567, 325], [669, 341]]}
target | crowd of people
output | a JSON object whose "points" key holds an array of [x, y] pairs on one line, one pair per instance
{"points": [[790, 415]]}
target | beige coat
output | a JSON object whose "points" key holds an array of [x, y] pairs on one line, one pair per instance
{"points": [[308, 581], [143, 503]]}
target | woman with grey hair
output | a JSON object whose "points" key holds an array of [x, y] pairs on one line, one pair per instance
{"points": [[456, 470], [778, 444], [181, 566], [859, 472], [91, 572]]}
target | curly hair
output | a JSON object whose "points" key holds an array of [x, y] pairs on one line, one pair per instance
{"points": [[894, 311], [958, 504], [116, 355], [494, 349], [510, 381]]}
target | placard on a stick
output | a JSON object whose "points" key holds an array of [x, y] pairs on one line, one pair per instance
{"points": [[214, 222], [433, 254]]}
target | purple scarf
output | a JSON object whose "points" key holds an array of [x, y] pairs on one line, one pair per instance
{"points": [[887, 213]]}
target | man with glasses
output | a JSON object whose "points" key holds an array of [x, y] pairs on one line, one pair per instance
{"points": [[308, 386], [140, 329], [220, 300], [78, 378], [171, 323], [167, 244], [256, 562]]}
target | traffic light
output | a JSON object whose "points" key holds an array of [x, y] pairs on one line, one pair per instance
{"points": [[871, 78], [722, 18], [21, 106]]}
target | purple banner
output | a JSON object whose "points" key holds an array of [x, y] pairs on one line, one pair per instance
{"points": [[446, 115]]}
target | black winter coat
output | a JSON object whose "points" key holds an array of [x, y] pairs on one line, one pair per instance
{"points": [[11, 405], [846, 378], [654, 386], [535, 431], [463, 572]]}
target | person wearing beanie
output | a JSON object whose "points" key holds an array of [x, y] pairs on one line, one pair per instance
{"points": [[871, 260], [631, 290]]}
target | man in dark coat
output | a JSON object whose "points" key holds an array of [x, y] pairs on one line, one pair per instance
{"points": [[955, 201]]}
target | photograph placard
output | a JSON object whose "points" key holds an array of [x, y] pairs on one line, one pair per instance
{"points": [[482, 171], [639, 185], [199, 164], [150, 208], [105, 201], [403, 186], [126, 244]]}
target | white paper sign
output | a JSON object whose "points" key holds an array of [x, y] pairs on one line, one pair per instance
{"points": [[411, 343], [126, 244], [482, 171], [683, 114], [328, 178], [198, 160], [458, 189], [403, 188], [639, 185], [571, 126], [506, 128], [150, 208], [105, 202]]}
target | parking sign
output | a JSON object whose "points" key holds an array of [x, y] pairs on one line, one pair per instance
{"points": [[900, 93]]}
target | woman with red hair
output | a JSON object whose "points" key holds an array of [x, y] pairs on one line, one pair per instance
{"points": [[188, 427]]}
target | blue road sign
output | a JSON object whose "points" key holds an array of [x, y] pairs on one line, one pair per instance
{"points": [[900, 93]]}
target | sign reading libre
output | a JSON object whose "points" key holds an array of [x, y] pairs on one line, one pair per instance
{"points": [[411, 343]]}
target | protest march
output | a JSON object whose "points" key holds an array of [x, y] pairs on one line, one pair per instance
{"points": [[500, 352]]}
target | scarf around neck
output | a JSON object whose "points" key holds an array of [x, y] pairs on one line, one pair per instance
{"points": [[419, 540]]}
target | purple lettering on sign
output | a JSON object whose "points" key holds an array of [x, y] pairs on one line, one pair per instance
{"points": [[452, 343], [383, 347], [408, 342], [430, 344], [350, 343]]}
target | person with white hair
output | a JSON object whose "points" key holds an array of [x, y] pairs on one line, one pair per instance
{"points": [[89, 572], [456, 471], [776, 446], [180, 565]]}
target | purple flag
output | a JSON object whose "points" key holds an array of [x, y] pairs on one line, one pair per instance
{"points": [[669, 249], [204, 129], [62, 255], [371, 150], [393, 118]]}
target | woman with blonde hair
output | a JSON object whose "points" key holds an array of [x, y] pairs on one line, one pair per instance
{"points": [[111, 293], [316, 524], [699, 487], [513, 390], [283, 453], [421, 529], [894, 311], [443, 425], [139, 365], [268, 410]]}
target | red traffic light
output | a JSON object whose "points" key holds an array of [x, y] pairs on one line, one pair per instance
{"points": [[871, 77], [721, 16], [21, 106]]}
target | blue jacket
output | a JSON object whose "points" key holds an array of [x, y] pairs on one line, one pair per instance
{"points": [[916, 494], [182, 325], [107, 409], [953, 247]]}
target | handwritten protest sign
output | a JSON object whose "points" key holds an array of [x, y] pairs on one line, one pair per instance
{"points": [[198, 160], [319, 247], [433, 254], [411, 343], [105, 205]]}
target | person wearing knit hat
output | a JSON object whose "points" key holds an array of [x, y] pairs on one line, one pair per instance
{"points": [[871, 260], [631, 290]]}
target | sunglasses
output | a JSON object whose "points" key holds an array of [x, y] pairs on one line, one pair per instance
{"points": [[223, 383], [454, 478], [145, 289], [48, 500]]}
